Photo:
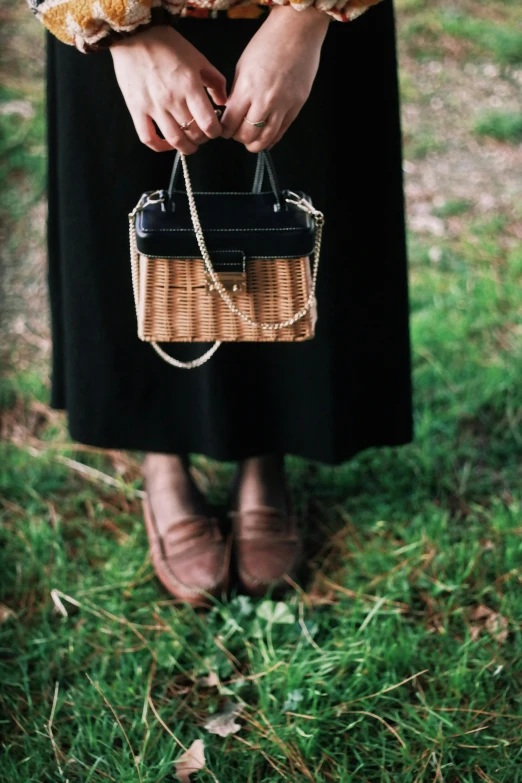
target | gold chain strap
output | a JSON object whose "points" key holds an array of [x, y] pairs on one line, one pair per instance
{"points": [[298, 201], [301, 204], [136, 291]]}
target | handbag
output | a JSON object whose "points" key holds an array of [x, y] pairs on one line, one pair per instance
{"points": [[224, 267]]}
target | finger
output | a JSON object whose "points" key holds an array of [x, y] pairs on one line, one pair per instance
{"points": [[236, 110], [193, 132], [248, 131], [173, 133], [148, 135], [288, 120], [216, 84], [266, 137], [199, 106]]}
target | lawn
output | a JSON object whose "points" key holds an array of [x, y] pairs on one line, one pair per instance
{"points": [[401, 659]]}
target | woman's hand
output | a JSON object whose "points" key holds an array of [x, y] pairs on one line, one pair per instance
{"points": [[163, 79], [274, 76]]}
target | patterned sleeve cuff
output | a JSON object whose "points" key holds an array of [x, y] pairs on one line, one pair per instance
{"points": [[90, 25], [341, 10]]}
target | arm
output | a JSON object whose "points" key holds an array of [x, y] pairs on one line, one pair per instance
{"points": [[274, 76], [163, 79], [161, 75], [276, 71]]}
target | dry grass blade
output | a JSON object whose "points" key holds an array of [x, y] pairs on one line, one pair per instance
{"points": [[162, 723], [118, 721], [384, 690], [384, 723], [57, 601], [50, 731], [365, 596], [176, 740], [92, 474]]}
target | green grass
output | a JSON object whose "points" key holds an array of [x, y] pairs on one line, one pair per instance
{"points": [[452, 208], [382, 671], [21, 152], [503, 126], [503, 42], [432, 30], [422, 145], [401, 661]]}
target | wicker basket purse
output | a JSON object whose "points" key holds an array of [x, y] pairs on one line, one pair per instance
{"points": [[236, 267]]}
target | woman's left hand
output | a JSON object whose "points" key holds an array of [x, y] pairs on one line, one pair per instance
{"points": [[274, 76]]}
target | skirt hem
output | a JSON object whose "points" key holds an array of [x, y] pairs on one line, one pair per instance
{"points": [[238, 454]]}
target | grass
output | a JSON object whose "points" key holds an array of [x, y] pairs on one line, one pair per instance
{"points": [[22, 132], [464, 29], [402, 659], [503, 42], [503, 126]]}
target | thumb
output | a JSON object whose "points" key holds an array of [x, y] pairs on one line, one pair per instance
{"points": [[216, 84]]}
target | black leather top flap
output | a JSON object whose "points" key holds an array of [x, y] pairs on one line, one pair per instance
{"points": [[245, 223]]}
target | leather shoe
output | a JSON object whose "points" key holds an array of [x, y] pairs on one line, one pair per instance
{"points": [[267, 547], [190, 558]]}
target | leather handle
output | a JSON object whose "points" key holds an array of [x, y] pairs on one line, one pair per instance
{"points": [[264, 166]]}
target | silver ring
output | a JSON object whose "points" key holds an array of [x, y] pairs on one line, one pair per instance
{"points": [[259, 124], [186, 125]]}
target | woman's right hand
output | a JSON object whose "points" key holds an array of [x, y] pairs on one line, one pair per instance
{"points": [[163, 79]]}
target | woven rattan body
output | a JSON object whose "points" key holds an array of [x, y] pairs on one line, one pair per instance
{"points": [[178, 305]]}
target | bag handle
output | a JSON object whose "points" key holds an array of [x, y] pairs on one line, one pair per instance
{"points": [[156, 198], [264, 166]]}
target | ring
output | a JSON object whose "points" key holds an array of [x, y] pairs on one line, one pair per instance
{"points": [[259, 124], [186, 124]]}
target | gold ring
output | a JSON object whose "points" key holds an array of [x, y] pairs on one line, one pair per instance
{"points": [[259, 124], [186, 125]]}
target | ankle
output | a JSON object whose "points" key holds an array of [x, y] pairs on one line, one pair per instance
{"points": [[261, 481], [171, 489]]}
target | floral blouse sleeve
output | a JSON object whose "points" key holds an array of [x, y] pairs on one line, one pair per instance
{"points": [[341, 10], [93, 24]]}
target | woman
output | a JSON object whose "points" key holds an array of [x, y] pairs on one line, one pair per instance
{"points": [[148, 90]]}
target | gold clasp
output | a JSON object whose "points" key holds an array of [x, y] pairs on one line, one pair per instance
{"points": [[234, 282]]}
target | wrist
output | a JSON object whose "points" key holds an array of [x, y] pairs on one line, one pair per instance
{"points": [[151, 35], [309, 19]]}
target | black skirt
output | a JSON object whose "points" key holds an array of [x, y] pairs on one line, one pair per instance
{"points": [[326, 399]]}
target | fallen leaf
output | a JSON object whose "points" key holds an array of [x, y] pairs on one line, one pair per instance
{"points": [[5, 613], [480, 612], [486, 619], [210, 681], [23, 108], [191, 761], [223, 723], [497, 626]]}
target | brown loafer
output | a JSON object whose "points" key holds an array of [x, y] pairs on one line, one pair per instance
{"points": [[267, 547], [191, 558]]}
